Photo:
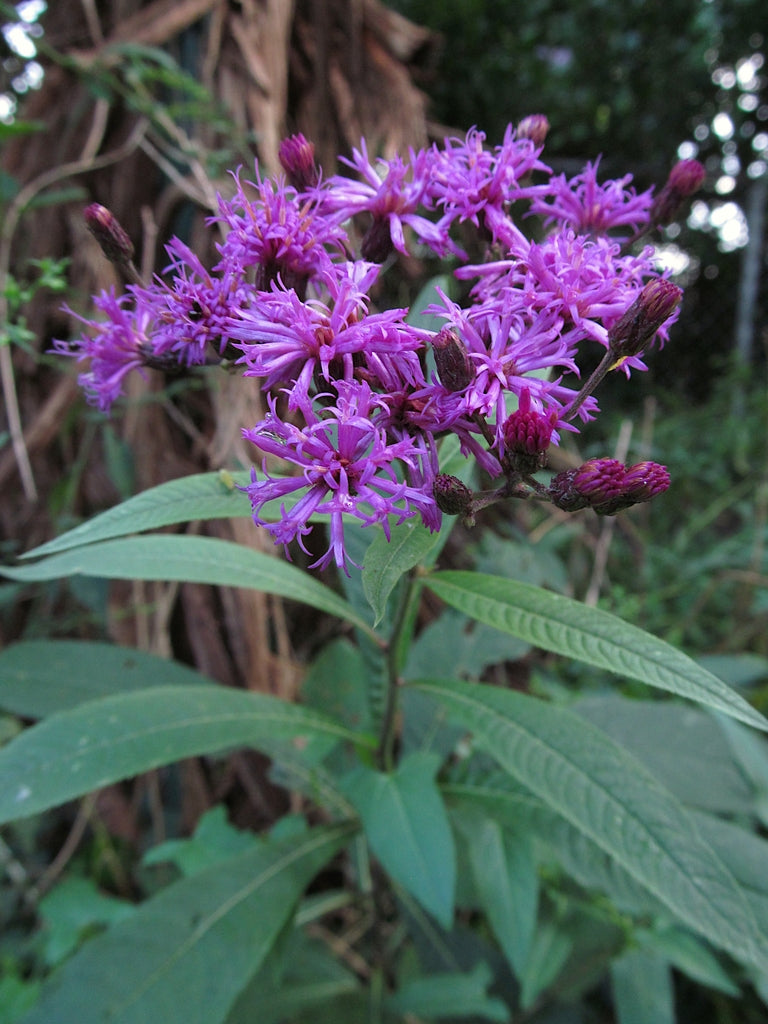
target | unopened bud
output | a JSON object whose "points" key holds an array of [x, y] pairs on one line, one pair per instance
{"points": [[685, 178], [377, 241], [527, 434], [297, 158], [109, 233], [452, 496], [607, 486], [563, 492], [454, 367], [534, 127], [633, 332], [645, 480]]}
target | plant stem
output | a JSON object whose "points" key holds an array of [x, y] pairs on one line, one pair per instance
{"points": [[385, 754]]}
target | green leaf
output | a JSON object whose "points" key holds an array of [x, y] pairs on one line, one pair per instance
{"points": [[407, 828], [451, 996], [560, 624], [193, 560], [39, 677], [505, 880], [682, 746], [549, 952], [387, 560], [642, 989], [196, 497], [214, 840], [185, 954], [102, 741], [605, 793], [336, 683], [689, 955], [72, 910], [301, 977]]}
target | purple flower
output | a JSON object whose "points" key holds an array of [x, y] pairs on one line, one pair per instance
{"points": [[113, 348], [584, 205], [285, 237], [193, 310], [287, 341], [392, 191], [348, 467], [467, 180]]}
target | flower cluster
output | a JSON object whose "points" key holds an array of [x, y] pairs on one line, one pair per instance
{"points": [[359, 396]]}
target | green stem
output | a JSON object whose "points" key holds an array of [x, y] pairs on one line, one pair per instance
{"points": [[404, 620]]}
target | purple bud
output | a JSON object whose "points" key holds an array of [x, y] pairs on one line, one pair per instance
{"points": [[607, 486], [601, 482], [534, 127], [634, 331], [454, 367], [297, 158], [109, 233], [645, 480], [451, 496], [526, 431], [685, 178], [377, 241]]}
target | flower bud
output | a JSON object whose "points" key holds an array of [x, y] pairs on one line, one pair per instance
{"points": [[601, 482], [645, 480], [685, 178], [297, 158], [607, 486], [527, 434], [377, 241], [563, 493], [534, 127], [634, 331], [452, 496], [454, 367], [109, 233]]}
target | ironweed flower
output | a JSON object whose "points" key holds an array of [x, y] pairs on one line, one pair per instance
{"points": [[359, 395], [392, 191], [588, 207], [348, 468], [284, 237], [287, 341], [112, 347]]}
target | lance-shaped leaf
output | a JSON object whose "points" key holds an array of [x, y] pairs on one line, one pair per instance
{"points": [[387, 559], [560, 624], [112, 738], [185, 954], [608, 795], [39, 677], [196, 497], [407, 828], [190, 559]]}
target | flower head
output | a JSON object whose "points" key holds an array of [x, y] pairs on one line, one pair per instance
{"points": [[591, 208], [347, 468]]}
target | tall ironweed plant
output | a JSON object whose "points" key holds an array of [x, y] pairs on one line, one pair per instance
{"points": [[505, 850]]}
